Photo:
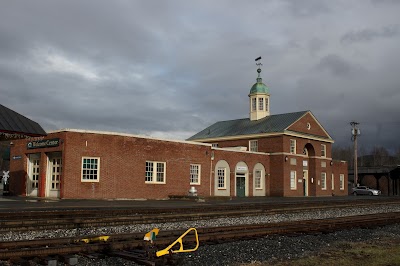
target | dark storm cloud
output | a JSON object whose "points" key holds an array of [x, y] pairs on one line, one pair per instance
{"points": [[367, 35], [171, 68], [336, 65]]}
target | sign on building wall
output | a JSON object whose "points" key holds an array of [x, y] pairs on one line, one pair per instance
{"points": [[241, 168], [45, 143]]}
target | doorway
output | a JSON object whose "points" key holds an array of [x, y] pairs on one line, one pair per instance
{"points": [[305, 183], [32, 182], [240, 184], [53, 179]]}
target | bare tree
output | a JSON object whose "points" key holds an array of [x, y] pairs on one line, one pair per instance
{"points": [[380, 156], [343, 154]]}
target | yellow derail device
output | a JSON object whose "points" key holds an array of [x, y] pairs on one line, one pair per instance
{"points": [[169, 249], [95, 239]]}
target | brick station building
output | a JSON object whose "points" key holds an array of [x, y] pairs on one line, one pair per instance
{"points": [[262, 155]]}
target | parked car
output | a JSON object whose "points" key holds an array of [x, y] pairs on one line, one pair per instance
{"points": [[363, 190]]}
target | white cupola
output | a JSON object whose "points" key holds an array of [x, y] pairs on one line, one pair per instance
{"points": [[259, 98]]}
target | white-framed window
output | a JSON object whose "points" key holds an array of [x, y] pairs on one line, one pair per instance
{"points": [[34, 171], [215, 145], [261, 104], [323, 150], [293, 146], [333, 182], [90, 169], [253, 145], [221, 173], [293, 183], [155, 172], [257, 179], [266, 104], [323, 181], [341, 180], [254, 104], [195, 174]]}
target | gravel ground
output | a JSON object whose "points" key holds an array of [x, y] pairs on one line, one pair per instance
{"points": [[267, 249], [272, 248], [263, 249]]}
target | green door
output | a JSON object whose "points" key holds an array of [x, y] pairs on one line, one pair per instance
{"points": [[240, 185]]}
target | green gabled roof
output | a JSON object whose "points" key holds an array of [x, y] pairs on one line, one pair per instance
{"points": [[270, 124]]}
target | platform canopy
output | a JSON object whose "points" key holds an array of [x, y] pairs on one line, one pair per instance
{"points": [[395, 173], [16, 126]]}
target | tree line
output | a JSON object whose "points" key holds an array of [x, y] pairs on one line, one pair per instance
{"points": [[377, 156]]}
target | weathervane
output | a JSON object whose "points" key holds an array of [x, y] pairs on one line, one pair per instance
{"points": [[259, 66]]}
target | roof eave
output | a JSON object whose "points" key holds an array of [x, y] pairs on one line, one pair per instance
{"points": [[253, 136]]}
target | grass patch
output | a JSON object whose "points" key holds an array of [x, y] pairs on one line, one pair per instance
{"points": [[381, 252]]}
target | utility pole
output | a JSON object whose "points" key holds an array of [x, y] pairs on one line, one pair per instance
{"points": [[355, 131]]}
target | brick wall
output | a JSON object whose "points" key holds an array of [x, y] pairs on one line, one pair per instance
{"points": [[250, 159], [123, 160], [301, 126], [19, 168], [122, 166]]}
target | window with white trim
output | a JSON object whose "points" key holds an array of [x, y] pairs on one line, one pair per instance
{"points": [[341, 180], [215, 145], [266, 104], [90, 169], [293, 183], [195, 174], [257, 179], [155, 172], [254, 104], [323, 150], [253, 145], [293, 146], [261, 104], [221, 174], [333, 181], [323, 181]]}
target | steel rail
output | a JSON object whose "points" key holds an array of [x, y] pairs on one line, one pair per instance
{"points": [[60, 212], [43, 223], [36, 248]]}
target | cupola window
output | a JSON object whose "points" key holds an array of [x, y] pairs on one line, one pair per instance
{"points": [[261, 104], [254, 104]]}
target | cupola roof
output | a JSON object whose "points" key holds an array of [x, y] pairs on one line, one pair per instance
{"points": [[259, 86]]}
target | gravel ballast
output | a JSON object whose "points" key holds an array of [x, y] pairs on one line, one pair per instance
{"points": [[263, 249]]}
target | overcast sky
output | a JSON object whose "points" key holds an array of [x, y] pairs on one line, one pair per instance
{"points": [[171, 68]]}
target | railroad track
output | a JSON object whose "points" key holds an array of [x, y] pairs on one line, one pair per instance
{"points": [[70, 219], [133, 243]]}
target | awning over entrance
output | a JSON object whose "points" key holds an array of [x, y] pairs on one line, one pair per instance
{"points": [[16, 126]]}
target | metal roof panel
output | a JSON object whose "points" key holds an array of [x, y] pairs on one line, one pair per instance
{"points": [[270, 124], [13, 122]]}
